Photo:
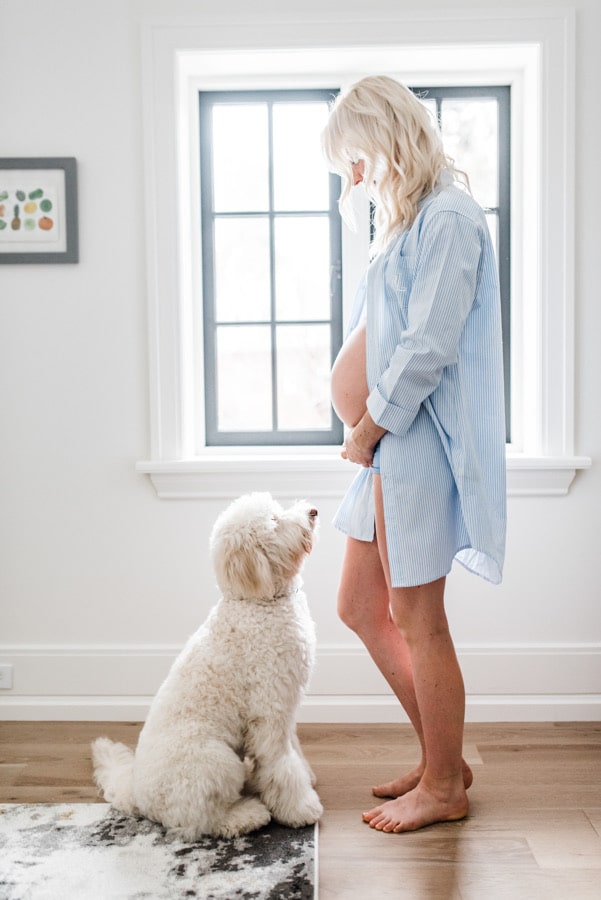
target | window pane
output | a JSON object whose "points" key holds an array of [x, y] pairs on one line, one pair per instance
{"points": [[429, 104], [302, 258], [242, 270], [244, 378], [301, 179], [240, 157], [303, 367], [470, 134]]}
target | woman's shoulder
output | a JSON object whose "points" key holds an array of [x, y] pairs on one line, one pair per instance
{"points": [[433, 214], [451, 198], [439, 214]]}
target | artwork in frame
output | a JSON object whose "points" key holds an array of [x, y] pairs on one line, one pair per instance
{"points": [[38, 210]]}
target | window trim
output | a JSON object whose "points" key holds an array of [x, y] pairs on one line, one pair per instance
{"points": [[531, 49]]}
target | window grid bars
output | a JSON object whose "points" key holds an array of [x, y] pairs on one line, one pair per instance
{"points": [[214, 437]]}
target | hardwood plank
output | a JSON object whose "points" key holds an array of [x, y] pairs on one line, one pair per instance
{"points": [[74, 793], [9, 774], [505, 883], [594, 817]]}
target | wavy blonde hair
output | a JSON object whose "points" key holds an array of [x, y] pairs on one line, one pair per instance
{"points": [[382, 122]]}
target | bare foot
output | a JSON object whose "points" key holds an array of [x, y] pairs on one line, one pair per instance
{"points": [[420, 807], [406, 783]]}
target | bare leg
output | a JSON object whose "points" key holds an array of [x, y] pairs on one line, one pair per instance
{"points": [[364, 605], [440, 795]]}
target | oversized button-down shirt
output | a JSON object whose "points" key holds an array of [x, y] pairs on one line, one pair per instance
{"points": [[435, 376]]}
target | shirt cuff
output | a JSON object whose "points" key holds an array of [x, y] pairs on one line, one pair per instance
{"points": [[393, 418]]}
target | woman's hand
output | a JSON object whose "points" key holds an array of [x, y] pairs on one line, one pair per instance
{"points": [[361, 441]]}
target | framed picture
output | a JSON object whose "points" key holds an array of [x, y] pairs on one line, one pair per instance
{"points": [[38, 210]]}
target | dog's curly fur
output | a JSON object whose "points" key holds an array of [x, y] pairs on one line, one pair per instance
{"points": [[218, 753]]}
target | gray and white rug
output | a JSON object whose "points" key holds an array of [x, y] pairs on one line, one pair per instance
{"points": [[87, 851]]}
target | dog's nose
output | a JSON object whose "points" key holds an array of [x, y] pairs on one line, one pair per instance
{"points": [[313, 513]]}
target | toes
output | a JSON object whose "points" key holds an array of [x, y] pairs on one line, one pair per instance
{"points": [[383, 824], [377, 819], [371, 814], [380, 819], [383, 790]]}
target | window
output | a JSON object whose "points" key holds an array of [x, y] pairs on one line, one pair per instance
{"points": [[532, 50], [271, 261]]}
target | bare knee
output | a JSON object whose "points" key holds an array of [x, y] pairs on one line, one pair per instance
{"points": [[349, 612], [418, 612], [363, 592], [364, 613]]}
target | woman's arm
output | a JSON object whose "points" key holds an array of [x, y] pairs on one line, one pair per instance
{"points": [[443, 290]]}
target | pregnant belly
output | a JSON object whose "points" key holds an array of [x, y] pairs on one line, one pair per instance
{"points": [[349, 381]]}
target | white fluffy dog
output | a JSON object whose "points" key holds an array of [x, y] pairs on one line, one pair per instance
{"points": [[218, 753]]}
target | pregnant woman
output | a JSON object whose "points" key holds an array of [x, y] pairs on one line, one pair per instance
{"points": [[419, 385]]}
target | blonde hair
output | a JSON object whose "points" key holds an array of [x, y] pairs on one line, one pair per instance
{"points": [[382, 122]]}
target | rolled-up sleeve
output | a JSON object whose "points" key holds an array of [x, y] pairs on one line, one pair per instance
{"points": [[442, 293]]}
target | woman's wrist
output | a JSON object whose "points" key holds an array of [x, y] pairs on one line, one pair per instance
{"points": [[367, 432]]}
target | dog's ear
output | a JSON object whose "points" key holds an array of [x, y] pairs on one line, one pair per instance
{"points": [[248, 573], [307, 540]]}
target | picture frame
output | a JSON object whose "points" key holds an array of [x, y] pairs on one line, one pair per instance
{"points": [[38, 210]]}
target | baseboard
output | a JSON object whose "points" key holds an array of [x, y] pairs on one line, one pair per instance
{"points": [[319, 710], [373, 710], [526, 682]]}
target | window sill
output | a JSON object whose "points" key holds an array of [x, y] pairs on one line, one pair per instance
{"points": [[322, 474]]}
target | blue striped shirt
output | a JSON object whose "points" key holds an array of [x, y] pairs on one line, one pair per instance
{"points": [[435, 376]]}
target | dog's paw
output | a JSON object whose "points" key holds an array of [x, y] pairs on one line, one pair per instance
{"points": [[306, 812], [247, 815]]}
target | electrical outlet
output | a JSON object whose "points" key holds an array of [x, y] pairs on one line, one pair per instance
{"points": [[6, 676]]}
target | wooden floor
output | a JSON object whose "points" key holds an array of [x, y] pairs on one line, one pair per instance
{"points": [[534, 830]]}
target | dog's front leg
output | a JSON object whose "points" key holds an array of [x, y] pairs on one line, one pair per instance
{"points": [[299, 750], [282, 776]]}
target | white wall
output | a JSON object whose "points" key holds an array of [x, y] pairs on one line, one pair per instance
{"points": [[100, 581]]}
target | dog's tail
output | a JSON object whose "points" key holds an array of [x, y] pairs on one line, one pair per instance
{"points": [[114, 773]]}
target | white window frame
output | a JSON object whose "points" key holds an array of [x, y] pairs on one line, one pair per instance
{"points": [[533, 51]]}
